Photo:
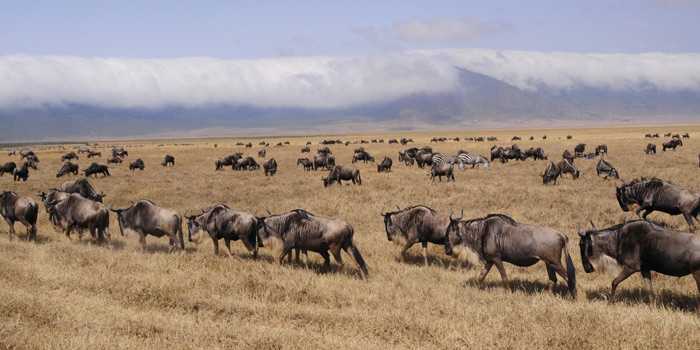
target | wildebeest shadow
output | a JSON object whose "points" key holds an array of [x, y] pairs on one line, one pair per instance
{"points": [[519, 285], [434, 260], [636, 296]]}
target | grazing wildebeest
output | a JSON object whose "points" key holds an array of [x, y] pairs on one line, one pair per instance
{"points": [[168, 160], [28, 153], [544, 137], [247, 163], [92, 154], [385, 165], [14, 208], [249, 145], [363, 156], [601, 149], [605, 168], [270, 167], [146, 218], [567, 167], [442, 169], [532, 138], [76, 212], [119, 152], [114, 160], [21, 173], [569, 137], [262, 153], [424, 158], [324, 150], [220, 221], [325, 161], [8, 167], [11, 153], [82, 187], [658, 195], [655, 135], [67, 168], [641, 246], [579, 150], [302, 230], [568, 156], [69, 156], [306, 163], [392, 141], [137, 164], [413, 225], [479, 139], [229, 160], [551, 174], [672, 144], [535, 153], [651, 148], [491, 138], [340, 173], [686, 135], [95, 169], [305, 149], [668, 134], [497, 238], [516, 138]]}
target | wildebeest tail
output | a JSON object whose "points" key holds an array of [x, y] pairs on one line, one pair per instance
{"points": [[359, 259], [696, 210], [32, 213], [180, 237], [570, 271]]}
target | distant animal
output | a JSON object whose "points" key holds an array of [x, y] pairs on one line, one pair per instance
{"points": [[262, 153], [247, 163], [579, 150], [544, 137], [686, 135], [568, 156], [168, 160], [22, 173], [567, 167], [665, 135], [270, 167], [67, 168], [324, 150], [657, 195], [651, 149], [94, 154], [385, 165], [146, 218], [516, 138], [464, 159], [305, 149], [605, 168], [302, 230], [340, 173], [601, 149], [306, 163], [672, 144], [535, 153], [415, 224], [137, 164], [119, 152], [76, 212], [641, 246], [220, 221], [442, 169], [392, 141], [551, 174], [8, 167], [69, 156], [491, 138], [569, 137], [95, 169], [363, 156], [14, 208], [229, 160], [11, 153], [497, 238], [324, 161], [248, 145]]}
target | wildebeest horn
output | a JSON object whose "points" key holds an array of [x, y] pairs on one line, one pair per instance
{"points": [[268, 211], [593, 225]]}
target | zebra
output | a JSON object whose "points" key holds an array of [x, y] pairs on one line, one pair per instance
{"points": [[473, 160], [439, 159]]}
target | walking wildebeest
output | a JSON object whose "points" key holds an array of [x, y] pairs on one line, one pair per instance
{"points": [[21, 173], [442, 169], [137, 164], [423, 158], [672, 144], [416, 224], [168, 160], [601, 149], [67, 168], [8, 167], [651, 148], [641, 246], [69, 156], [658, 195], [76, 212], [551, 174], [146, 218], [604, 167], [14, 208], [385, 165], [340, 173], [95, 169], [220, 221], [94, 154], [302, 230], [497, 238], [306, 163], [270, 167]]}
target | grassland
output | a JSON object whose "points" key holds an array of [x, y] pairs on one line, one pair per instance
{"points": [[76, 295]]}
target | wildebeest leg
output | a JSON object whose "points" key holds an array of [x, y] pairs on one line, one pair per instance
{"points": [[142, 240], [501, 270], [425, 252], [626, 272], [689, 220], [286, 249], [485, 271], [216, 246], [12, 229], [551, 272], [646, 275], [336, 255], [228, 247], [406, 247]]}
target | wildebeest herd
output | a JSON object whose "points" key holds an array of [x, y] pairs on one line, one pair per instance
{"points": [[637, 246]]}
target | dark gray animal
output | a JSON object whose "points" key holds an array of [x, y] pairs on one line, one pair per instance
{"points": [[8, 167], [137, 164], [385, 165], [114, 160], [497, 238], [146, 218], [658, 195], [568, 167], [229, 160], [220, 221], [423, 158], [324, 161], [340, 173], [262, 153], [672, 144], [76, 212], [601, 149], [247, 163], [416, 224], [551, 174], [92, 154], [651, 149], [300, 229], [605, 168], [363, 156], [82, 187], [442, 169], [67, 168], [535, 154], [579, 150], [270, 167], [306, 163], [22, 173], [95, 169], [69, 156], [14, 208], [168, 160], [641, 246]]}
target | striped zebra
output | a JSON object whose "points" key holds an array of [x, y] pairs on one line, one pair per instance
{"points": [[439, 159], [471, 159]]}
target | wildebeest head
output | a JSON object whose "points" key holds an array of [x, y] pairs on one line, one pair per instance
{"points": [[194, 225], [586, 246], [452, 236], [121, 218], [622, 197], [389, 226]]}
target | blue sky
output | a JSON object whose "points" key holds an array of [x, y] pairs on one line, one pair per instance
{"points": [[254, 29]]}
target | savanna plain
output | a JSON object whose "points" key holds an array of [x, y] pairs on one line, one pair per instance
{"points": [[70, 294]]}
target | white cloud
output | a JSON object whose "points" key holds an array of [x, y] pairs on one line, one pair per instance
{"points": [[321, 82]]}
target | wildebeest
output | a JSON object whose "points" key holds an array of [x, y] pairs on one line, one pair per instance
{"points": [[567, 167], [601, 149], [516, 138], [569, 137], [119, 152], [302, 230], [137, 164], [324, 150], [415, 224], [249, 145], [11, 153], [385, 165], [404, 141], [168, 160], [22, 173], [535, 153], [146, 218], [641, 246], [392, 141], [442, 169], [95, 169], [8, 167], [305, 149], [497, 238], [76, 212], [94, 154], [551, 174], [67, 168], [306, 163], [262, 153], [605, 168], [340, 173], [220, 221], [672, 144], [69, 156], [579, 150], [424, 158], [491, 138], [568, 156], [651, 148], [686, 135], [247, 163], [325, 161], [229, 160], [114, 160], [657, 195], [82, 187], [363, 156], [270, 167], [14, 208]]}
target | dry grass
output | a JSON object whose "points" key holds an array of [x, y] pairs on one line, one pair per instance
{"points": [[65, 294]]}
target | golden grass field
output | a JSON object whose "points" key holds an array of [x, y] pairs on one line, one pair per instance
{"points": [[65, 294]]}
